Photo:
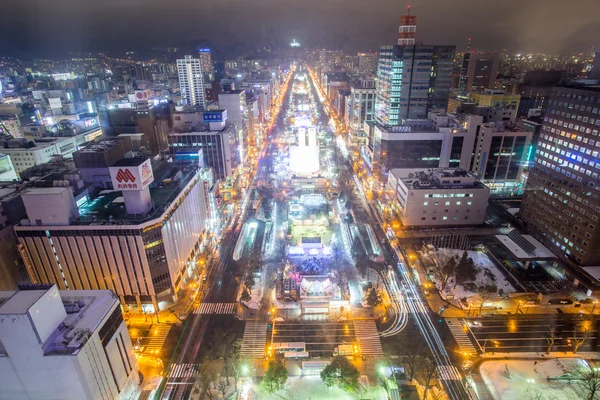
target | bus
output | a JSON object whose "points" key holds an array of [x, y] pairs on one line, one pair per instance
{"points": [[289, 347]]}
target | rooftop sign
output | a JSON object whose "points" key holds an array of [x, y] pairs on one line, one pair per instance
{"points": [[132, 177]]}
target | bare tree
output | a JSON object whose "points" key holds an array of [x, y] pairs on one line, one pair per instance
{"points": [[209, 371], [445, 268], [428, 372], [580, 336], [588, 380], [223, 387], [337, 254], [550, 338], [279, 250]]}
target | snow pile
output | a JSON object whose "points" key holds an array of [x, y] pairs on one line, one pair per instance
{"points": [[486, 267], [524, 379]]}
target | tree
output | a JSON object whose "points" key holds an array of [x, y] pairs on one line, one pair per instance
{"points": [[275, 376], [485, 293], [579, 336], [279, 250], [588, 380], [245, 296], [550, 338], [466, 270], [209, 371], [444, 269], [337, 254], [341, 373], [374, 298], [428, 372]]}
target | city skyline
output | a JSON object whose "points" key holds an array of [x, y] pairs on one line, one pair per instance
{"points": [[350, 26]]}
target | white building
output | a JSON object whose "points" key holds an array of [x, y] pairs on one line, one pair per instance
{"points": [[139, 240], [191, 81], [43, 151], [68, 345], [442, 197], [7, 169]]}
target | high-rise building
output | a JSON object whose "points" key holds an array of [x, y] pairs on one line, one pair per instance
{"points": [[214, 144], [479, 71], [361, 105], [561, 205], [234, 101], [65, 344], [411, 78], [191, 81], [207, 65]]}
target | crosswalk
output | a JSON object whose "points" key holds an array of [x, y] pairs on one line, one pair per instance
{"points": [[183, 370], [158, 334], [216, 308], [255, 340], [457, 327], [449, 373], [368, 338]]}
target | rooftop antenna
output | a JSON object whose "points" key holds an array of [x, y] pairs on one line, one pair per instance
{"points": [[469, 45]]}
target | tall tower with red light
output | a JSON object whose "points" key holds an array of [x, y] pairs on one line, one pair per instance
{"points": [[407, 29]]}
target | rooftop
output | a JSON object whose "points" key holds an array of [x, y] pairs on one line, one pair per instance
{"points": [[108, 208], [441, 179]]}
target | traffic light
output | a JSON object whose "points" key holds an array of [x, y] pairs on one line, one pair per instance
{"points": [[440, 320]]}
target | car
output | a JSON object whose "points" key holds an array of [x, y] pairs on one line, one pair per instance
{"points": [[475, 324], [182, 317]]}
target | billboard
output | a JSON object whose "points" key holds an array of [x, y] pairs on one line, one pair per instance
{"points": [[136, 177], [86, 124], [215, 116]]}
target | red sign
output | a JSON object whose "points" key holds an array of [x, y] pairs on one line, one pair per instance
{"points": [[125, 176]]}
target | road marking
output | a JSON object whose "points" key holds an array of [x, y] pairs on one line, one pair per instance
{"points": [[255, 339], [449, 373], [158, 335], [368, 338], [183, 370], [457, 327], [216, 308]]}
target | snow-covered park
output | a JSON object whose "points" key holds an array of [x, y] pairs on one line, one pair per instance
{"points": [[528, 379], [487, 273]]}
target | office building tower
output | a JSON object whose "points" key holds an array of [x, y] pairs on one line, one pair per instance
{"points": [[65, 344], [561, 205], [214, 144], [440, 82], [137, 240], [361, 106], [411, 78], [207, 65], [191, 81], [479, 71], [234, 101]]}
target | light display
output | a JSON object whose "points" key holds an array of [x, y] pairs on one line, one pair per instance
{"points": [[304, 160]]}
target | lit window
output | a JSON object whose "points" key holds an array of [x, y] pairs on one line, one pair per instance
{"points": [[425, 203]]}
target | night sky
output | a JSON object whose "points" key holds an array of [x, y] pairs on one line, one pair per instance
{"points": [[52, 28]]}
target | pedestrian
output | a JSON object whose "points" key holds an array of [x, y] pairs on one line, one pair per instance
{"points": [[535, 363]]}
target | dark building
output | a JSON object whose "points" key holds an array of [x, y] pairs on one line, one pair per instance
{"points": [[479, 71], [535, 90], [561, 205]]}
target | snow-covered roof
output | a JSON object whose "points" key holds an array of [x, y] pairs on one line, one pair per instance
{"points": [[540, 250]]}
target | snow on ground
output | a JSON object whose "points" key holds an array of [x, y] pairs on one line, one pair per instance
{"points": [[528, 380], [481, 260], [311, 387]]}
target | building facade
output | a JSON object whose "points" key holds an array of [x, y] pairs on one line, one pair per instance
{"points": [[191, 81], [65, 345], [442, 197], [561, 205], [142, 251], [479, 71]]}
